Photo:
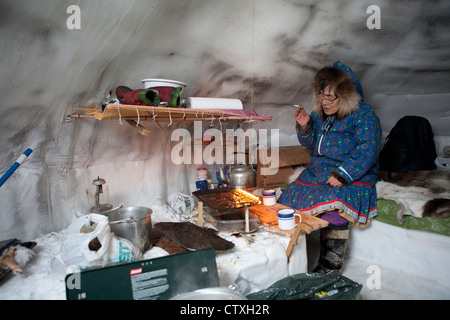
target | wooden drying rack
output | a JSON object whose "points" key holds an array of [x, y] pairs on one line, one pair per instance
{"points": [[134, 114]]}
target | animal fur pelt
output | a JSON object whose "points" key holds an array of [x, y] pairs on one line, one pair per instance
{"points": [[419, 194], [193, 237], [14, 254]]}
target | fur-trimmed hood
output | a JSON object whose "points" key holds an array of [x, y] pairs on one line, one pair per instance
{"points": [[345, 84]]}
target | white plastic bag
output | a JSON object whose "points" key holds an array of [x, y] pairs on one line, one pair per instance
{"points": [[90, 242], [123, 250]]}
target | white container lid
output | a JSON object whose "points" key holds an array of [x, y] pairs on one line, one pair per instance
{"points": [[148, 83], [269, 192]]}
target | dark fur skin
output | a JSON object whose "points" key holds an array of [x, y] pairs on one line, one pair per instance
{"points": [[437, 208], [434, 180]]}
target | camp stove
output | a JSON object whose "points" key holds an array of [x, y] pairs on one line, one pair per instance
{"points": [[224, 198], [227, 209]]}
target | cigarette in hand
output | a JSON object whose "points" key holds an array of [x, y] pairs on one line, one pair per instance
{"points": [[297, 106]]}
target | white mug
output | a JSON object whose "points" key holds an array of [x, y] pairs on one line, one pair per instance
{"points": [[286, 218]]}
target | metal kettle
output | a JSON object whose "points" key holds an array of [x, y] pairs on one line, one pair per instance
{"points": [[239, 177]]}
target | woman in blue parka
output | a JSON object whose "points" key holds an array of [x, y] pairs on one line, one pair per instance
{"points": [[344, 134]]}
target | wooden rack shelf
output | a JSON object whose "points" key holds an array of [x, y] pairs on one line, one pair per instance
{"points": [[134, 115], [164, 114]]}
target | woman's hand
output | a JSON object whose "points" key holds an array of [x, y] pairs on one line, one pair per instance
{"points": [[332, 181], [301, 116]]}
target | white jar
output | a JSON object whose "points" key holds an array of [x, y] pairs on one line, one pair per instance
{"points": [[202, 174], [269, 200], [269, 197]]}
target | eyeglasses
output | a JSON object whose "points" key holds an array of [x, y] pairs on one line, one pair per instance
{"points": [[328, 98]]}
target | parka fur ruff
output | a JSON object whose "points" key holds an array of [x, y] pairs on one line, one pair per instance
{"points": [[336, 79]]}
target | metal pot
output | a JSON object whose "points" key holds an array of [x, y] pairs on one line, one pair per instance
{"points": [[132, 223], [216, 293], [239, 177]]}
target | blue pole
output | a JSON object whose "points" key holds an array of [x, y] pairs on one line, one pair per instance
{"points": [[16, 164]]}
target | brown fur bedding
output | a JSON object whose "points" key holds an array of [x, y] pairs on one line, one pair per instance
{"points": [[419, 194]]}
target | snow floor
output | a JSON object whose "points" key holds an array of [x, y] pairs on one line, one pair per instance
{"points": [[41, 282], [394, 285], [396, 282]]}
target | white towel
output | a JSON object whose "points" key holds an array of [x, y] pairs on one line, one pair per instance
{"points": [[214, 103]]}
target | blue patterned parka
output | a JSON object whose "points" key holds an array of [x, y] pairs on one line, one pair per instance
{"points": [[346, 148]]}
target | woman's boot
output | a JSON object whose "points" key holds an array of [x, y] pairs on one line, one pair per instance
{"points": [[333, 243]]}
